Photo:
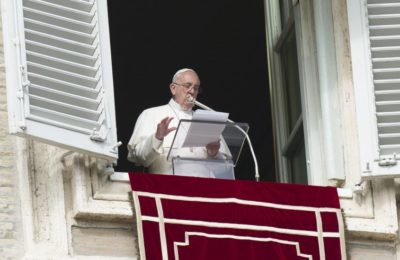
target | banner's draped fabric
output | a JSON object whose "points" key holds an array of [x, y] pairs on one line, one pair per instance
{"points": [[199, 218]]}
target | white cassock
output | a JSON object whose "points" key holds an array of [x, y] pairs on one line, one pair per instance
{"points": [[146, 150]]}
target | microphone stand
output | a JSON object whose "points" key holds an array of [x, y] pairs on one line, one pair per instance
{"points": [[257, 175]]}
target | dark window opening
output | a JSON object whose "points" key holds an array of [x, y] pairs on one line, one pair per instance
{"points": [[224, 41]]}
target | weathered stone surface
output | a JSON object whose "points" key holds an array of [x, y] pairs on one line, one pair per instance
{"points": [[10, 217], [104, 242]]}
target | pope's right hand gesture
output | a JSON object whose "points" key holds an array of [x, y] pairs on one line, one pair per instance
{"points": [[163, 128]]}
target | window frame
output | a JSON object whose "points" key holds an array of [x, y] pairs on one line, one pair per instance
{"points": [[318, 138], [295, 138]]}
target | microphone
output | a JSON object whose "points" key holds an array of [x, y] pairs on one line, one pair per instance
{"points": [[192, 100]]}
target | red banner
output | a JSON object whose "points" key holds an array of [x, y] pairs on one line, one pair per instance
{"points": [[199, 218]]}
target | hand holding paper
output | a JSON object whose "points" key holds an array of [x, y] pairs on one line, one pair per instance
{"points": [[213, 148]]}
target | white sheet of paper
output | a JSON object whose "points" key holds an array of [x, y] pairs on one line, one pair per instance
{"points": [[201, 134], [215, 116]]}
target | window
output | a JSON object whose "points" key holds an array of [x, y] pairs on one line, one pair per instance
{"points": [[293, 149], [302, 70], [59, 81], [375, 63]]}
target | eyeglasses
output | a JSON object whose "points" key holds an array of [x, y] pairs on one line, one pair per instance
{"points": [[189, 86]]}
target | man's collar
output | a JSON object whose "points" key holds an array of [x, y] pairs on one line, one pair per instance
{"points": [[177, 106]]}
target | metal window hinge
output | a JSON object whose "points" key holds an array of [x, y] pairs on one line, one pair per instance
{"points": [[99, 135], [26, 84], [388, 160], [114, 149]]}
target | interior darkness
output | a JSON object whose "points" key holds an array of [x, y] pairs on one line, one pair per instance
{"points": [[224, 41]]}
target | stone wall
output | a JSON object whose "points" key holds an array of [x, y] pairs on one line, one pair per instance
{"points": [[11, 244]]}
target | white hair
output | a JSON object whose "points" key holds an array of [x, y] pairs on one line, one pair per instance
{"points": [[179, 72]]}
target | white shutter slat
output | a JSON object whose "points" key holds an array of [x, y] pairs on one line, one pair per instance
{"points": [[61, 53], [386, 97], [390, 62], [60, 10], [90, 82], [62, 64], [386, 85], [387, 20], [75, 4], [391, 149], [63, 120], [388, 52], [390, 139], [387, 128], [383, 30], [386, 82], [61, 32], [59, 42], [383, 8], [387, 106], [58, 85], [383, 41], [59, 73], [388, 117], [60, 21], [386, 74], [62, 107], [380, 1], [68, 98]]}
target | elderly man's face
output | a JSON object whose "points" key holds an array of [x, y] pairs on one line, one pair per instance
{"points": [[188, 84]]}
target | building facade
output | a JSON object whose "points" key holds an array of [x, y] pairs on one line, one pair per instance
{"points": [[333, 81]]}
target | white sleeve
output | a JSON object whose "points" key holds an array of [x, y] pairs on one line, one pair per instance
{"points": [[144, 147]]}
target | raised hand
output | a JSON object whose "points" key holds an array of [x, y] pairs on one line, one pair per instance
{"points": [[163, 128]]}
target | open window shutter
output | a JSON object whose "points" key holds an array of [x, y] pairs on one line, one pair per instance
{"points": [[58, 72], [374, 27]]}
